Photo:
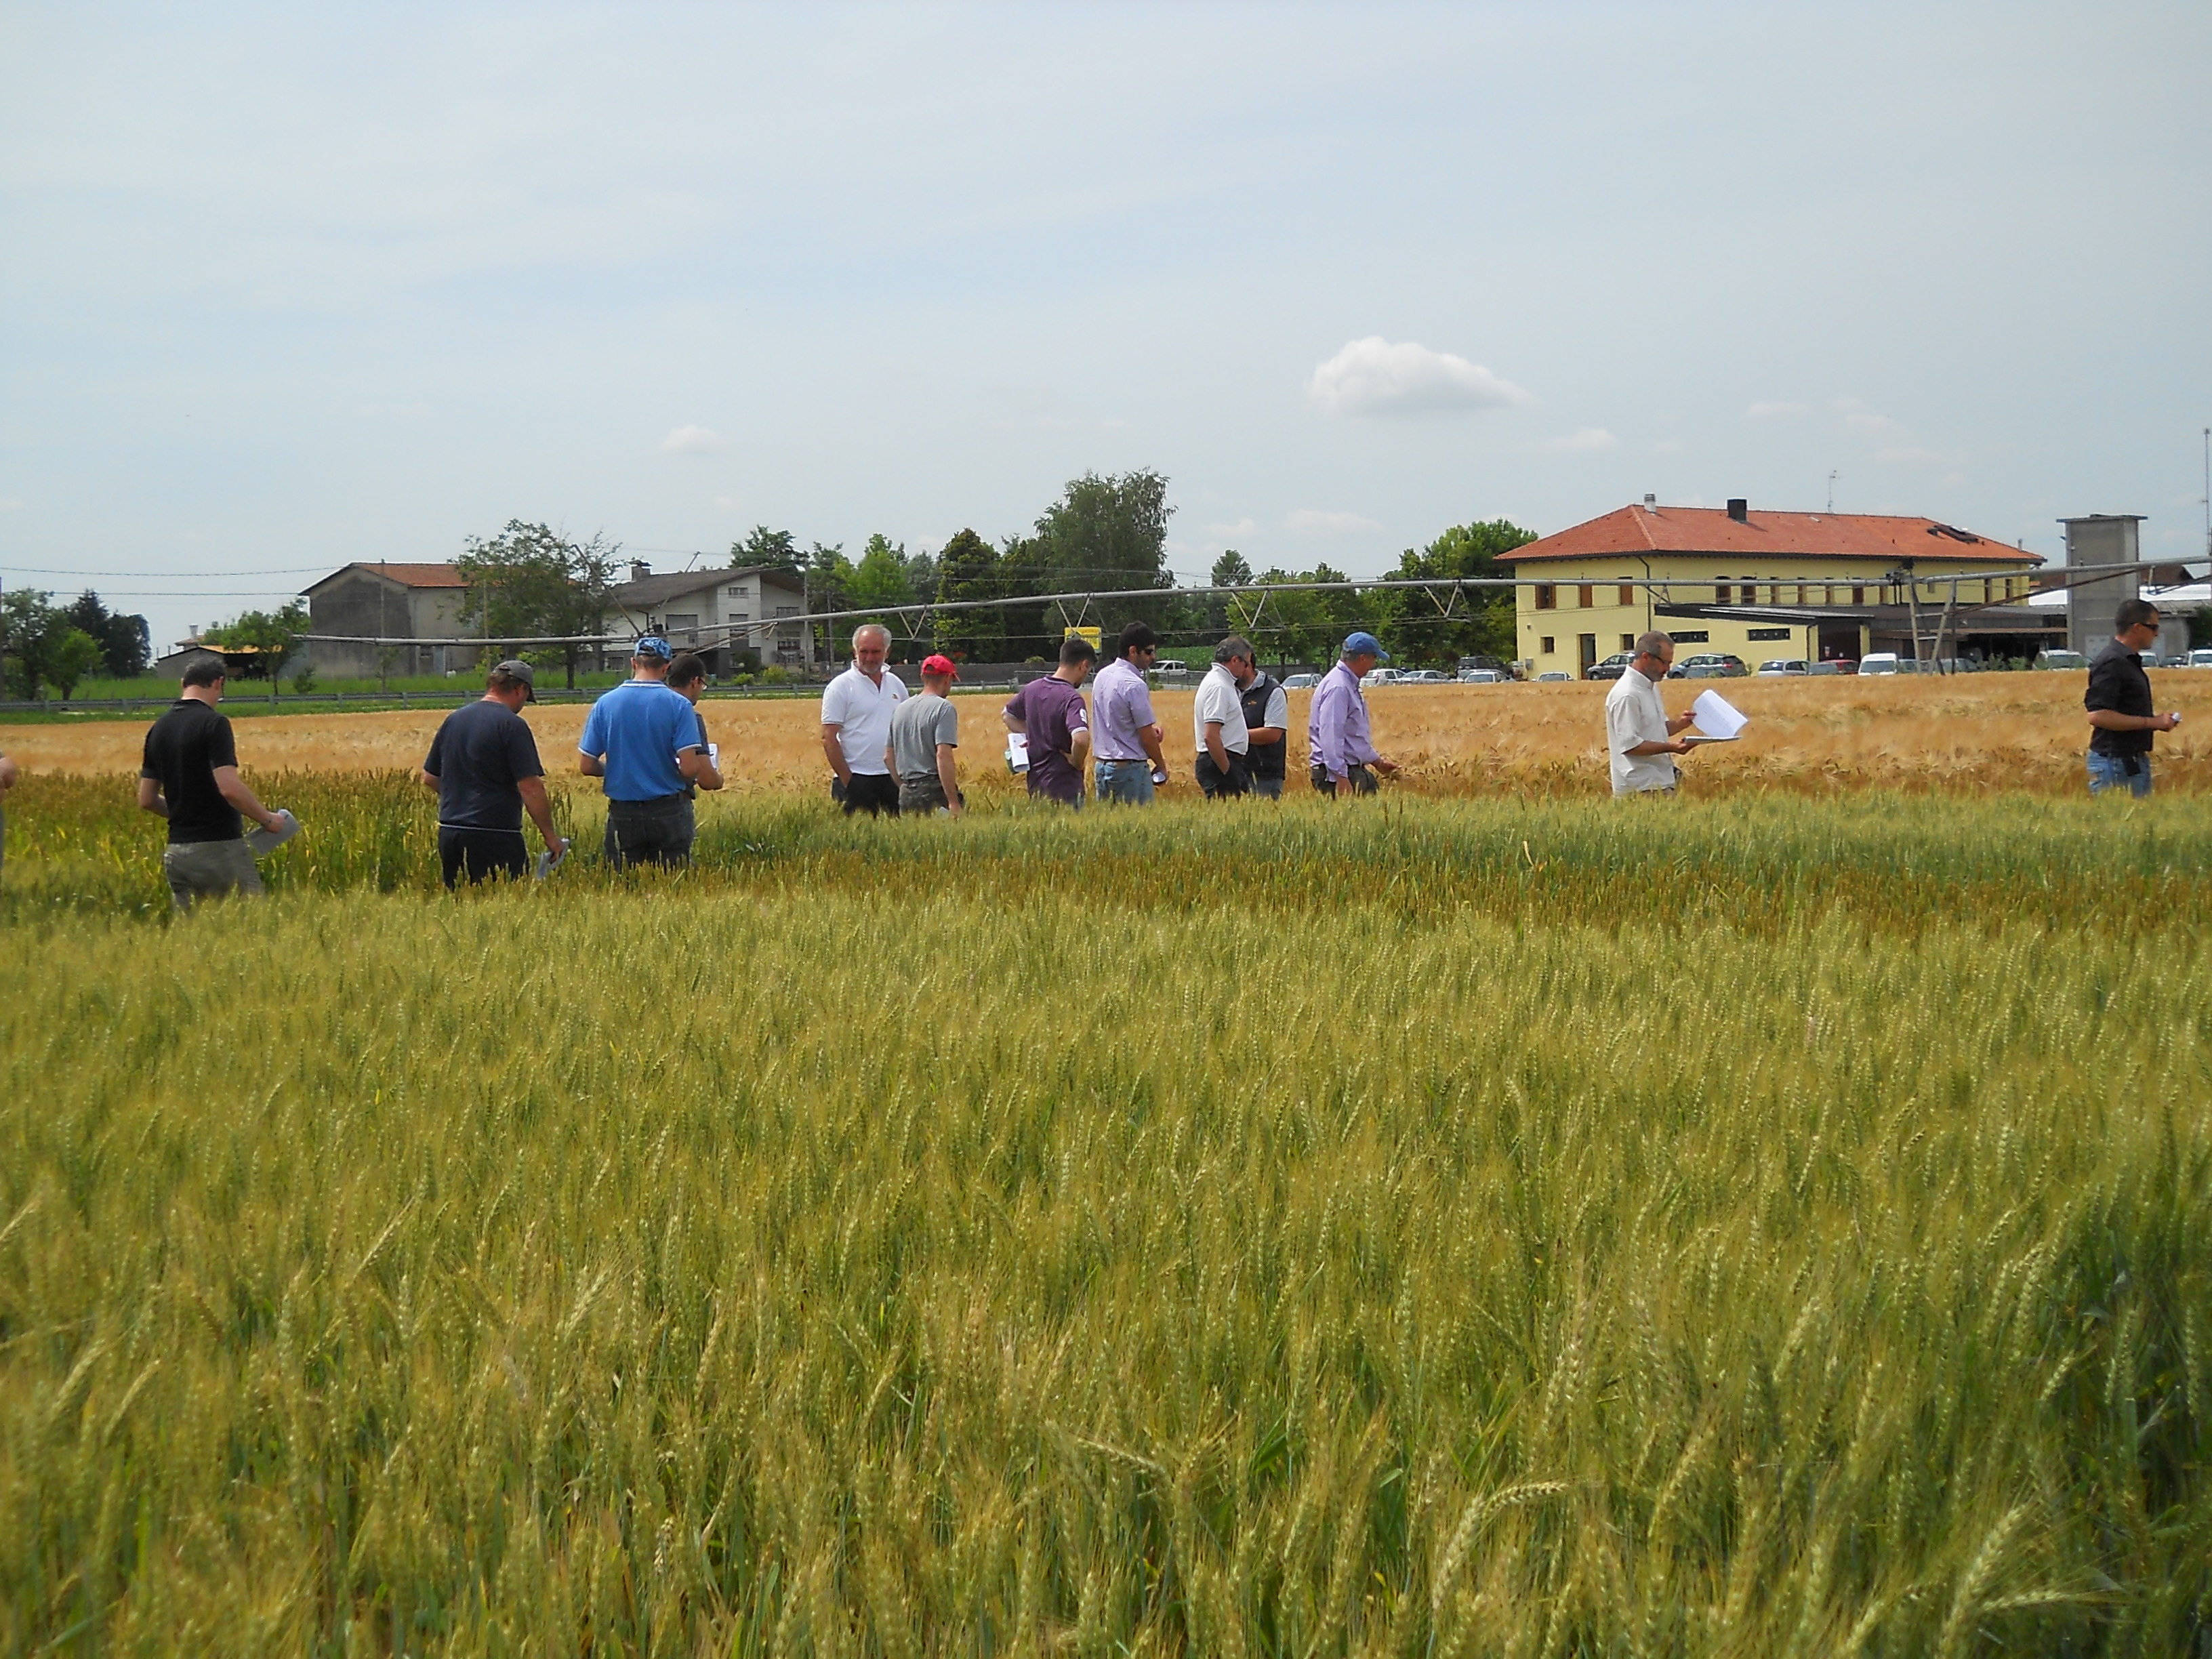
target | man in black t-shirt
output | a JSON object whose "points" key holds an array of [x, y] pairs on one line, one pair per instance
{"points": [[190, 776], [484, 765], [2120, 705]]}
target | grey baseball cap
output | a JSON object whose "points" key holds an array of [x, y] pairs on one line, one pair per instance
{"points": [[522, 671]]}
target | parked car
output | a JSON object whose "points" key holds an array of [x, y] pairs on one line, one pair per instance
{"points": [[1613, 667], [1812, 668], [1170, 667], [1301, 682], [1483, 677], [2059, 660], [1708, 665], [1498, 666], [1374, 677], [1880, 662], [1424, 677], [2200, 659], [1551, 675], [1779, 665]]}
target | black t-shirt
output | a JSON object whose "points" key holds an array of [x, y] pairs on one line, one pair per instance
{"points": [[182, 749], [477, 757], [2117, 682]]}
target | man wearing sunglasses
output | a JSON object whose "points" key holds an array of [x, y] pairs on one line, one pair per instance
{"points": [[1125, 736]]}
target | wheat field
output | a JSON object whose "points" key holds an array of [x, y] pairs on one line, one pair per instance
{"points": [[1509, 1225], [1999, 731]]}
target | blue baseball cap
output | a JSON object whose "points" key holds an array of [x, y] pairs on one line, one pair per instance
{"points": [[651, 645], [1365, 645]]}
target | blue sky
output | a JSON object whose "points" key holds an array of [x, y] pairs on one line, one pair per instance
{"points": [[284, 288]]}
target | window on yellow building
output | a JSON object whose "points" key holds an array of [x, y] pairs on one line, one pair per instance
{"points": [[1545, 645], [1627, 595], [1628, 641], [1546, 596], [1588, 597], [1722, 592]]}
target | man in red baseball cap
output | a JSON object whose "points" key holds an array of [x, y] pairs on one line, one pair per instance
{"points": [[926, 743]]}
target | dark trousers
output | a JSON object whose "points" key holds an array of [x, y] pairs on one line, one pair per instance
{"points": [[480, 854], [922, 794], [863, 793], [1361, 780], [1219, 785], [649, 832]]}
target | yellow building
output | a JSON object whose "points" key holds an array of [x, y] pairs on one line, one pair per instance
{"points": [[1760, 585]]}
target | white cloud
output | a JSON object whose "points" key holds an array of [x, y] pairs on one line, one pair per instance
{"points": [[1588, 438], [1859, 418], [1241, 527], [1314, 521], [1777, 411], [1375, 376], [693, 441]]}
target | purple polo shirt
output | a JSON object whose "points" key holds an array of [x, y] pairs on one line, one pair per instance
{"points": [[1052, 712], [1336, 729], [1122, 707]]}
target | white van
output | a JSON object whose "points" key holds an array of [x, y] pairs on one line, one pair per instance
{"points": [[1879, 662], [2200, 659]]}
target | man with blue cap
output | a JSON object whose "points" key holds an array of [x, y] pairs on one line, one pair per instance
{"points": [[1337, 743], [644, 738]]}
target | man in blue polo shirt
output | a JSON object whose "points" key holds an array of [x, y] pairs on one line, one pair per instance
{"points": [[643, 738]]}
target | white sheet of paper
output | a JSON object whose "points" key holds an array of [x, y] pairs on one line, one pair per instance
{"points": [[1018, 752], [268, 840], [715, 756], [1701, 736], [1715, 717]]}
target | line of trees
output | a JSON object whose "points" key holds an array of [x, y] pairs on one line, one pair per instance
{"points": [[47, 647]]}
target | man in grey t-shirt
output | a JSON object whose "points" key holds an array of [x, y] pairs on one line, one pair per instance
{"points": [[926, 743]]}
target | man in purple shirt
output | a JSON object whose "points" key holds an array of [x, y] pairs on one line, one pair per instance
{"points": [[1124, 737], [1048, 714], [1336, 730]]}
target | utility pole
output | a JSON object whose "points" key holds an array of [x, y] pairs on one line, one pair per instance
{"points": [[1832, 476], [2207, 497]]}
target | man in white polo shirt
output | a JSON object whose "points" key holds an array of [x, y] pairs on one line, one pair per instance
{"points": [[1224, 739], [1639, 736], [856, 726]]}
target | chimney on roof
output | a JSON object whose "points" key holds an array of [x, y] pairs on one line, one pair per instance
{"points": [[1739, 509], [1650, 502], [638, 570]]}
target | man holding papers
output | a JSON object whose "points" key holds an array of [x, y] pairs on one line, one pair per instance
{"points": [[1639, 737]]}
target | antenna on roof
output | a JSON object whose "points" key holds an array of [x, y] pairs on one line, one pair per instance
{"points": [[1833, 476], [2207, 492]]}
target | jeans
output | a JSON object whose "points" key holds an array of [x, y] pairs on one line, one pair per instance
{"points": [[480, 854], [869, 792], [2111, 772], [209, 869], [1361, 780], [649, 832], [1271, 788], [1129, 782]]}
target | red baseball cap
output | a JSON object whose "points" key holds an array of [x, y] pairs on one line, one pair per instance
{"points": [[940, 665]]}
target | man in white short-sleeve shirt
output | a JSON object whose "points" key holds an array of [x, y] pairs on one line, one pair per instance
{"points": [[1639, 737], [856, 726], [1218, 713]]}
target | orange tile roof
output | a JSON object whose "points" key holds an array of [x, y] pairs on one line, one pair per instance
{"points": [[409, 576], [1641, 530], [422, 575]]}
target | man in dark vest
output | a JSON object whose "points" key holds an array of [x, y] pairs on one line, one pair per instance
{"points": [[1268, 718]]}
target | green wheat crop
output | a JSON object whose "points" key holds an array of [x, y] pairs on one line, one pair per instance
{"points": [[1494, 1227]]}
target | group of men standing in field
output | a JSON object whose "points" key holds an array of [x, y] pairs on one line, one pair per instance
{"points": [[890, 752]]}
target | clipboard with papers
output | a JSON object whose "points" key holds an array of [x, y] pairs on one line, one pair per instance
{"points": [[1718, 721]]}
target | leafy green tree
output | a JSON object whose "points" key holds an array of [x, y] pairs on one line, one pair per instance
{"points": [[28, 626], [126, 649], [968, 568], [530, 581], [1104, 533], [774, 548], [273, 636], [880, 577], [1414, 624], [71, 655], [1300, 627], [1231, 569], [829, 578]]}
